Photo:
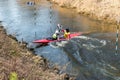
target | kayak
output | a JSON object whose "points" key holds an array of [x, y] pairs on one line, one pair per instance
{"points": [[48, 40]]}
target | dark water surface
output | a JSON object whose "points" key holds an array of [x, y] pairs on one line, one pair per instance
{"points": [[89, 57]]}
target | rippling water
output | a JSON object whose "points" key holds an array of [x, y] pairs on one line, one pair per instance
{"points": [[89, 57]]}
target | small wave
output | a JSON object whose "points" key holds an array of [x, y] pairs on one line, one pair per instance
{"points": [[91, 43], [58, 44]]}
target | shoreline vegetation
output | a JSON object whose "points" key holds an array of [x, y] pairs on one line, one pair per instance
{"points": [[19, 63], [103, 10]]}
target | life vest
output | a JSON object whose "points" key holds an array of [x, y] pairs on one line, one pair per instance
{"points": [[67, 35], [54, 36]]}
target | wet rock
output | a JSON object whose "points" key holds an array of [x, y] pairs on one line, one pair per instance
{"points": [[56, 70], [13, 37], [30, 46], [1, 26], [23, 45], [2, 30], [64, 76]]}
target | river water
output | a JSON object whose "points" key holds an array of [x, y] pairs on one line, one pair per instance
{"points": [[88, 57]]}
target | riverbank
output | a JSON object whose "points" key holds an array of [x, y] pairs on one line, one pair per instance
{"points": [[16, 61], [104, 10]]}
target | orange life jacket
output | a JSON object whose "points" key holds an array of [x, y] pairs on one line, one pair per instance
{"points": [[67, 35]]}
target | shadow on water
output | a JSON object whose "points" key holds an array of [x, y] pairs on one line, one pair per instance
{"points": [[90, 57]]}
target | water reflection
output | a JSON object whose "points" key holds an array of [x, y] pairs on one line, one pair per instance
{"points": [[82, 23]]}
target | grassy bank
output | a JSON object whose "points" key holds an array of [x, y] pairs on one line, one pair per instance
{"points": [[17, 62], [105, 10]]}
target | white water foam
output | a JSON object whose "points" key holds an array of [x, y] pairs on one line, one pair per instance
{"points": [[58, 44], [91, 45]]}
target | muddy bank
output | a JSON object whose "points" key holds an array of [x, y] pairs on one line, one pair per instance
{"points": [[17, 61], [106, 10]]}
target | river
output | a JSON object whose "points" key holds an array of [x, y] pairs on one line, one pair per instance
{"points": [[88, 57]]}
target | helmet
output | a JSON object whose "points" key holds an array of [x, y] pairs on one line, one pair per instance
{"points": [[56, 32], [67, 30], [58, 25]]}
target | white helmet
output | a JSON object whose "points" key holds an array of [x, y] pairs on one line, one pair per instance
{"points": [[58, 25], [56, 32]]}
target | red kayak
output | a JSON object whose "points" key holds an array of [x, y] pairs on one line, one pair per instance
{"points": [[48, 40]]}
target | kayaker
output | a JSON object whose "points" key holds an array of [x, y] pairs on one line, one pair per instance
{"points": [[67, 34], [57, 33], [55, 36]]}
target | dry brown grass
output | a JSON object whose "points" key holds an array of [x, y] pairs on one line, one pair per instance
{"points": [[108, 10], [21, 61]]}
